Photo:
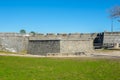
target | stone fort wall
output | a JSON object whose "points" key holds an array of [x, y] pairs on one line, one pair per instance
{"points": [[42, 47], [111, 39], [13, 42], [74, 46], [16, 42], [85, 36]]}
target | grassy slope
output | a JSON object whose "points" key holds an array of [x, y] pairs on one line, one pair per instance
{"points": [[22, 68]]}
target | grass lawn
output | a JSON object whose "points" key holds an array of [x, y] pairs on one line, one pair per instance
{"points": [[26, 68]]}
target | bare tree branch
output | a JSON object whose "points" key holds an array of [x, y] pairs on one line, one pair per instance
{"points": [[115, 12]]}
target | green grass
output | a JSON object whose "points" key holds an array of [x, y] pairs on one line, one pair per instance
{"points": [[6, 52], [25, 68]]}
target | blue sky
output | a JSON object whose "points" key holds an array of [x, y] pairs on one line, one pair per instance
{"points": [[57, 16]]}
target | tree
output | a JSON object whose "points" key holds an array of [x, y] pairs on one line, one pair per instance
{"points": [[22, 31], [32, 32], [115, 12]]}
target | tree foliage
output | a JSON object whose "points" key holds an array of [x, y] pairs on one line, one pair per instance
{"points": [[32, 32], [22, 31]]}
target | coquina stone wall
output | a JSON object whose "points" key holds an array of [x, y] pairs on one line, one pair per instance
{"points": [[60, 43], [79, 36], [42, 47], [111, 39], [52, 43], [13, 42], [73, 46]]}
